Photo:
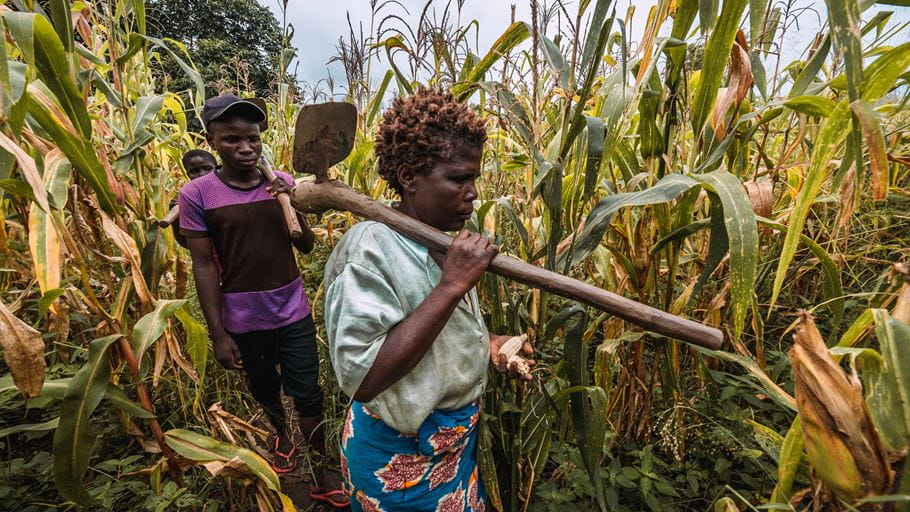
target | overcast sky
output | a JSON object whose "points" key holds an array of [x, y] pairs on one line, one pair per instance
{"points": [[319, 23]]}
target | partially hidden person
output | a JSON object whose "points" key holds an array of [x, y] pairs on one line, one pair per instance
{"points": [[197, 163], [405, 331], [257, 313]]}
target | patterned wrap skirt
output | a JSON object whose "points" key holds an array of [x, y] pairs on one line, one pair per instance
{"points": [[433, 470]]}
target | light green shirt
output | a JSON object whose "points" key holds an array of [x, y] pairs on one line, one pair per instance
{"points": [[374, 279]]}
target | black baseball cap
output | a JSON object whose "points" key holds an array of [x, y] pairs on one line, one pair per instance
{"points": [[218, 106]]}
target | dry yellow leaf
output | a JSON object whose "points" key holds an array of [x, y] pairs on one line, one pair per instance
{"points": [[23, 350], [841, 442]]}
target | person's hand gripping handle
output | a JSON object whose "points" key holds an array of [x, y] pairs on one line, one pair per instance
{"points": [[290, 214]]}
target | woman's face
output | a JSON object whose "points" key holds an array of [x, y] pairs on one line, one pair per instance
{"points": [[443, 198]]}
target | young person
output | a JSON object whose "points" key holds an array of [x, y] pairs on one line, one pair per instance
{"points": [[257, 313], [405, 330], [197, 163]]}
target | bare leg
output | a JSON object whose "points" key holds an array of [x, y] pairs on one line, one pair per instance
{"points": [[313, 428]]}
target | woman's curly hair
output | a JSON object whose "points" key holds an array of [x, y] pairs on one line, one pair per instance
{"points": [[422, 129]]}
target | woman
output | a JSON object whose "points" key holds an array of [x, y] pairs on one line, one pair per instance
{"points": [[406, 335]]}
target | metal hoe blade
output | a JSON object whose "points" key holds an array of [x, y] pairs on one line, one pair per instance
{"points": [[323, 136]]}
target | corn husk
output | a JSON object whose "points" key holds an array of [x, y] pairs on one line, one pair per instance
{"points": [[842, 444]]}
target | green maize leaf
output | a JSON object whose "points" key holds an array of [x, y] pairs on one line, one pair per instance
{"points": [[577, 123], [469, 61], [390, 44], [106, 89], [48, 57], [197, 345], [707, 13], [881, 74], [30, 427], [598, 220], [888, 386], [651, 140], [135, 44], [51, 388], [762, 381], [201, 448], [811, 69], [17, 81], [73, 441], [63, 22], [78, 151], [189, 69], [58, 174], [588, 419], [516, 113], [146, 110], [686, 10], [818, 106], [138, 9], [843, 15], [506, 206], [717, 54], [757, 10], [596, 134], [487, 464], [115, 394], [515, 34], [596, 25], [758, 73], [48, 298], [791, 458], [376, 102], [829, 140], [878, 22], [768, 438], [553, 55], [536, 422], [680, 233], [834, 291], [151, 326], [717, 246], [742, 236], [857, 329]]}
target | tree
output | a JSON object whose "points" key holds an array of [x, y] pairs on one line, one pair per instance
{"points": [[235, 44]]}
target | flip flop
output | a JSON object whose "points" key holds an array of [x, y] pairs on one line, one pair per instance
{"points": [[289, 457], [326, 497]]}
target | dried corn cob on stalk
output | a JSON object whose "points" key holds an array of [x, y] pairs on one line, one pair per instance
{"points": [[510, 349]]}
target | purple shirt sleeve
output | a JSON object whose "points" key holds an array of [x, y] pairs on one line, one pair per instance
{"points": [[192, 214]]}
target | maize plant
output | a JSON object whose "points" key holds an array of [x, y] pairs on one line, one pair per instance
{"points": [[701, 164]]}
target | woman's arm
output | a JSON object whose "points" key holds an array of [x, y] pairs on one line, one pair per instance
{"points": [[408, 341]]}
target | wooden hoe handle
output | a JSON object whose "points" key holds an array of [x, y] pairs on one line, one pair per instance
{"points": [[171, 217], [334, 195], [290, 215]]}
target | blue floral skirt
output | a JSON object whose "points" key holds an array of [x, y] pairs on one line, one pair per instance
{"points": [[433, 470]]}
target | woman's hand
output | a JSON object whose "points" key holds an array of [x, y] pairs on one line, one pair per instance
{"points": [[501, 364], [466, 260], [279, 186]]}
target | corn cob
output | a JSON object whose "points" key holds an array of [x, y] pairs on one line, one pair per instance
{"points": [[510, 349]]}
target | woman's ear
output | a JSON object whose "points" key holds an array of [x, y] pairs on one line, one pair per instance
{"points": [[407, 178]]}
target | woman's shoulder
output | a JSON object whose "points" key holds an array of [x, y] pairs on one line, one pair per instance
{"points": [[370, 244]]}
